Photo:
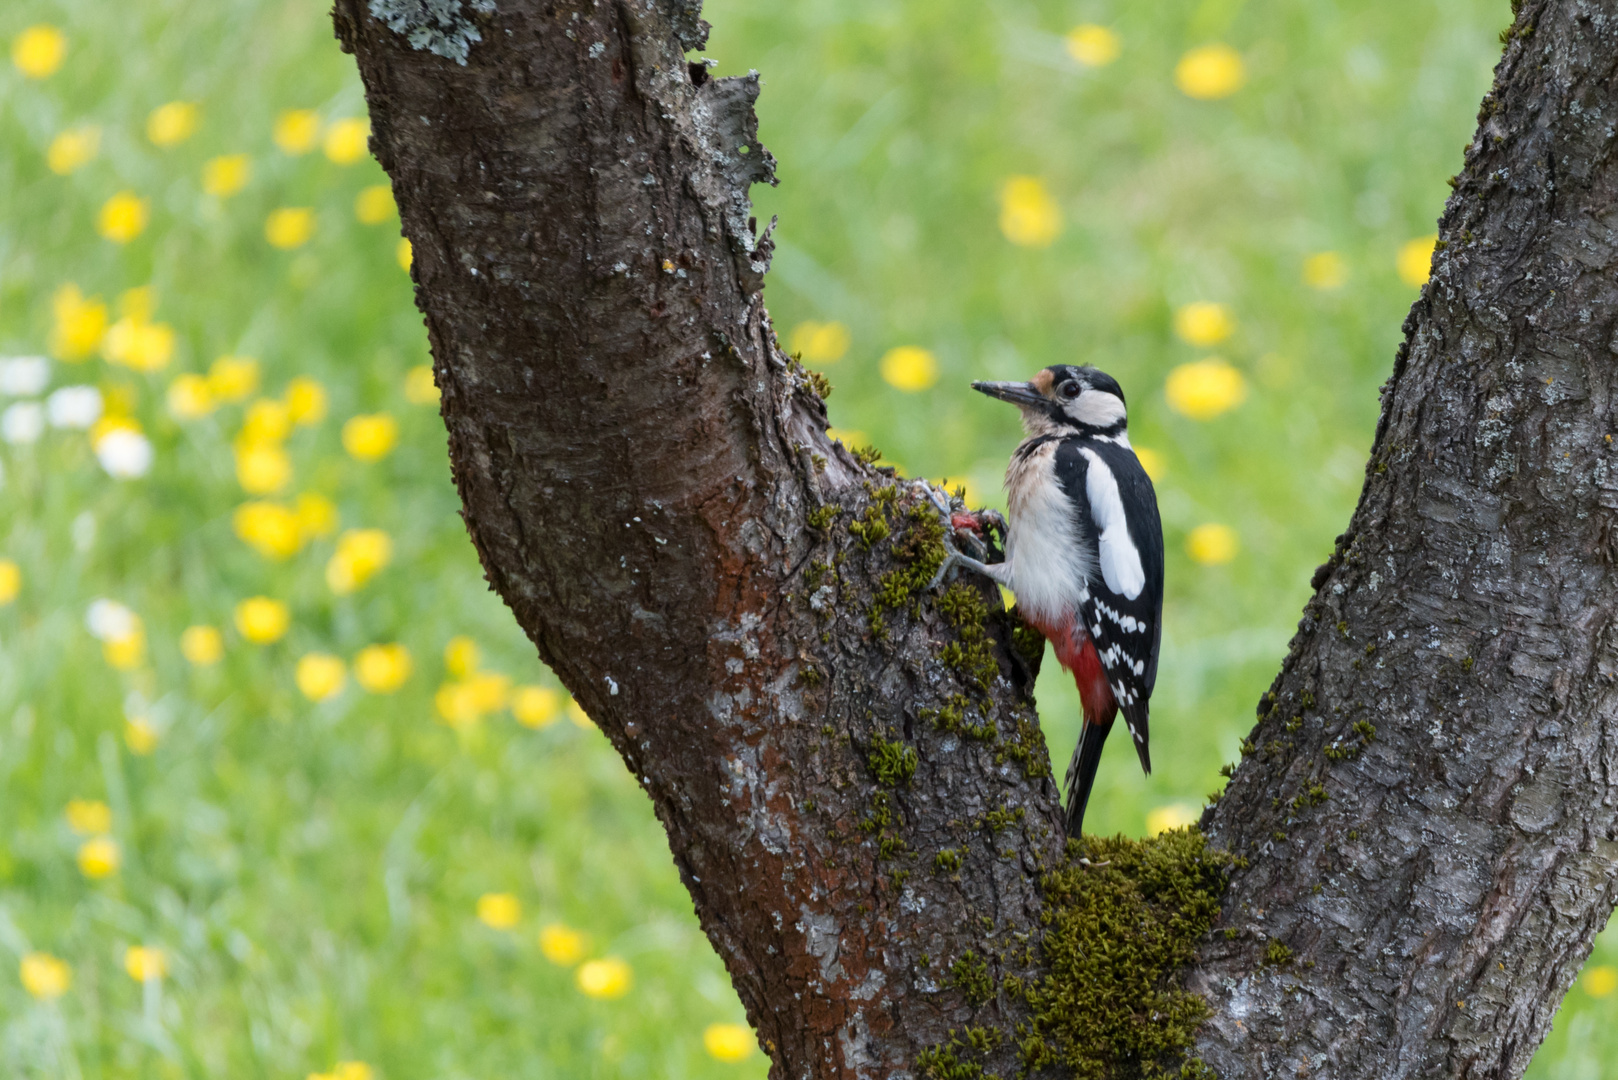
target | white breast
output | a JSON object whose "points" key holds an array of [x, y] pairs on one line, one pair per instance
{"points": [[1048, 563]]}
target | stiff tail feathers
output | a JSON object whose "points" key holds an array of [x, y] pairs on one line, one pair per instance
{"points": [[1081, 773]]}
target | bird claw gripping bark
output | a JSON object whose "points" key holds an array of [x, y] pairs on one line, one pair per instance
{"points": [[976, 531]]}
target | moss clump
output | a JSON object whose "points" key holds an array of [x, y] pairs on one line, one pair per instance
{"points": [[947, 861], [822, 516], [1117, 931], [1028, 749], [892, 763], [1277, 954], [970, 975], [1030, 645], [940, 1063], [871, 528], [971, 653]]}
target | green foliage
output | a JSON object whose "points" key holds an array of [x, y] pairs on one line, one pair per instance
{"points": [[1117, 931]]}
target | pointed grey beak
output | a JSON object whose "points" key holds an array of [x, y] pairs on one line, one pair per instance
{"points": [[1018, 393]]}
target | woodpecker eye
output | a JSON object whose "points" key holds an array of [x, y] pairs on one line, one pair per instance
{"points": [[1070, 389]]}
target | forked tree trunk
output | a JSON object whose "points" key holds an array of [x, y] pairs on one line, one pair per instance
{"points": [[848, 766]]}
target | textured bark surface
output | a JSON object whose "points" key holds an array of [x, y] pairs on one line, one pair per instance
{"points": [[1442, 898], [848, 767], [639, 464]]}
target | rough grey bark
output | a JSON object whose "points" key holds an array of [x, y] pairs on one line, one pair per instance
{"points": [[853, 785]]}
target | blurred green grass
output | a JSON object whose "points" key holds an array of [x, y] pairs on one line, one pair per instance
{"points": [[312, 870]]}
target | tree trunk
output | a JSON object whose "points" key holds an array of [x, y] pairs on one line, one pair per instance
{"points": [[848, 765]]}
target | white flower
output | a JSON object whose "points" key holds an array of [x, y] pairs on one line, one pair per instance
{"points": [[74, 407], [125, 454], [24, 376], [22, 423], [109, 620]]}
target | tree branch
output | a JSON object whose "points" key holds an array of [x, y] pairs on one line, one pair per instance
{"points": [[848, 766]]}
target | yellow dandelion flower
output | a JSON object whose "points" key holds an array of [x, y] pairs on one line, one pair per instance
{"points": [[289, 227], [1092, 45], [139, 735], [1212, 544], [1172, 816], [145, 963], [1325, 271], [849, 437], [262, 468], [404, 254], [172, 124], [1600, 980], [233, 378], [382, 669], [605, 979], [1028, 215], [562, 945], [80, 324], [345, 140], [576, 713], [297, 130], [123, 217], [820, 342], [729, 1042], [99, 857], [909, 368], [262, 620], [268, 528], [535, 706], [73, 149], [126, 651], [370, 437], [89, 817], [352, 1070], [44, 976], [189, 398], [39, 50], [461, 656], [266, 420], [1209, 72], [499, 910], [457, 705], [1151, 461], [320, 676], [360, 554], [140, 345], [374, 204], [202, 645], [10, 581], [317, 515], [490, 691], [224, 176], [1415, 261], [420, 387], [1203, 323], [305, 401], [1204, 389]]}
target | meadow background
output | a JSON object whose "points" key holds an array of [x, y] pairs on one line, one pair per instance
{"points": [[285, 792]]}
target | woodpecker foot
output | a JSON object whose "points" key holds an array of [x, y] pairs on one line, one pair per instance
{"points": [[966, 529]]}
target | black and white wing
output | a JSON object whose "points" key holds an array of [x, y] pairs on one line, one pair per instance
{"points": [[1123, 612]]}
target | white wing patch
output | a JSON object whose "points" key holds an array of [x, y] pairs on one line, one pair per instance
{"points": [[1120, 561]]}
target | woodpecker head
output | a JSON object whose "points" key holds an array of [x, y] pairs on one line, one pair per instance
{"points": [[1065, 399]]}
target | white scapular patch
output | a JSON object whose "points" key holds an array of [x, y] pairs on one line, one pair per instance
{"points": [[1120, 561], [1096, 408], [1048, 563]]}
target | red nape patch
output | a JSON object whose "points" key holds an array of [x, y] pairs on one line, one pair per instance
{"points": [[1076, 652]]}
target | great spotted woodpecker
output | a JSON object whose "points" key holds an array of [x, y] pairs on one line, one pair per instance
{"points": [[1084, 553]]}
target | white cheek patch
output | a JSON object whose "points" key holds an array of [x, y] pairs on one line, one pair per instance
{"points": [[1097, 408], [1120, 561]]}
